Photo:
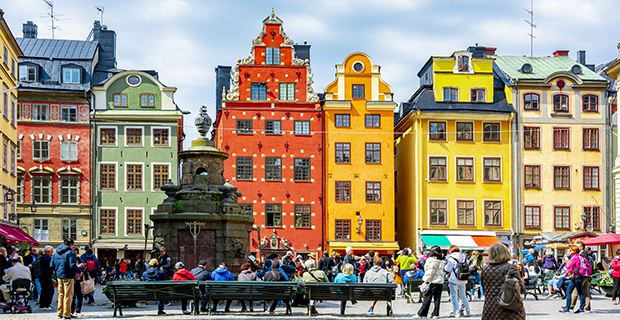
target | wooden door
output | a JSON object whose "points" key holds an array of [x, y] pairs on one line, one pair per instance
{"points": [[205, 248]]}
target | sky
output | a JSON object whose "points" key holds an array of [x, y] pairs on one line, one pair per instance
{"points": [[184, 40]]}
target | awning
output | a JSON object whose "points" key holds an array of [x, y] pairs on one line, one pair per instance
{"points": [[365, 246], [16, 235], [470, 240], [121, 246]]}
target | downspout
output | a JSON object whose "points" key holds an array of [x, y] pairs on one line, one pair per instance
{"points": [[610, 141], [93, 151], [510, 155], [418, 188], [323, 191]]}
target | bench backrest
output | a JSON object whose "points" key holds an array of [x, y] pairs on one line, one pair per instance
{"points": [[248, 290], [153, 290], [351, 291]]}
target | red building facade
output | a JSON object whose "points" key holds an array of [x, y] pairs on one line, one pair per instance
{"points": [[270, 123]]}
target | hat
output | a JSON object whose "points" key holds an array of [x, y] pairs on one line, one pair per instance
{"points": [[223, 264], [202, 263], [289, 253], [312, 255], [299, 257], [153, 262], [179, 265], [253, 258]]}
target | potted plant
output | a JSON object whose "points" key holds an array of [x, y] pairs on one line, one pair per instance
{"points": [[606, 284]]}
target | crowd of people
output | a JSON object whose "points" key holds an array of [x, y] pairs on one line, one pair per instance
{"points": [[66, 269]]}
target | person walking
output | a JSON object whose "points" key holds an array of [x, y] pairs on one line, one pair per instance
{"points": [[275, 275], [93, 269], [183, 274], [376, 274], [313, 275], [585, 282], [433, 275], [475, 265], [574, 273], [325, 264], [64, 262], [47, 286], [457, 286], [493, 275], [222, 274], [348, 258], [615, 267], [154, 274], [347, 276]]}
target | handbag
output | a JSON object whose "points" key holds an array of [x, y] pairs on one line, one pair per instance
{"points": [[425, 286], [88, 286], [509, 297]]}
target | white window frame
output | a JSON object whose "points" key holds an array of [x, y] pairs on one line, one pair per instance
{"points": [[71, 75], [125, 165], [152, 166], [13, 156], [456, 169], [77, 227], [115, 176], [34, 233], [69, 177], [47, 118], [41, 159], [126, 224], [115, 136], [18, 151], [169, 137], [68, 107], [51, 186], [428, 222], [501, 168], [115, 222], [27, 70], [69, 158], [456, 213], [143, 136]]}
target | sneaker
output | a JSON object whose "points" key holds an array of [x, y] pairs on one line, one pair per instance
{"points": [[435, 317], [468, 314], [563, 310], [614, 302], [78, 314], [370, 311], [187, 312], [578, 311], [417, 316], [588, 311], [458, 315], [161, 313]]}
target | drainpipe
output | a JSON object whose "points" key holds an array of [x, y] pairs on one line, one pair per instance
{"points": [[418, 182], [90, 209], [93, 151], [323, 213], [611, 164], [510, 153]]}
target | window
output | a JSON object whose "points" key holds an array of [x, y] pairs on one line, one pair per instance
{"points": [[107, 176], [40, 112], [68, 114], [465, 211], [450, 94], [107, 136], [69, 190], [590, 103], [147, 100], [532, 217], [248, 209], [19, 111], [13, 68], [12, 110], [532, 177], [343, 229], [287, 91], [41, 229], [5, 154], [438, 212], [561, 218], [302, 169], [531, 138], [302, 127], [71, 75], [134, 221], [437, 131], [40, 150], [19, 149], [273, 169], [120, 100], [160, 175], [493, 213], [343, 153], [273, 215], [373, 191], [68, 150], [271, 126], [134, 177], [302, 216], [343, 191], [437, 169], [491, 132], [244, 127], [531, 101], [373, 153], [342, 120], [492, 169], [69, 229], [133, 136], [561, 138], [358, 91], [464, 169], [259, 91], [592, 217], [13, 160], [244, 168], [373, 121], [19, 193], [373, 230], [464, 131], [590, 178], [160, 137], [27, 73], [477, 95], [42, 188], [107, 221], [561, 177], [560, 103], [590, 139], [272, 55], [463, 63]]}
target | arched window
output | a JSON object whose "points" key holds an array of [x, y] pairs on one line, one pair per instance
{"points": [[531, 101]]}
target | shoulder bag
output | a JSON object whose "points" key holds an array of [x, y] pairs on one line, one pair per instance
{"points": [[87, 286], [509, 296], [425, 286]]}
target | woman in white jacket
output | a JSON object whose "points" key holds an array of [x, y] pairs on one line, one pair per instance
{"points": [[433, 274]]}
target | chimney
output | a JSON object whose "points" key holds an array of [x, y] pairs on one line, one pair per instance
{"points": [[560, 53], [581, 57], [302, 51], [107, 46], [29, 30], [490, 51], [222, 82], [477, 51]]}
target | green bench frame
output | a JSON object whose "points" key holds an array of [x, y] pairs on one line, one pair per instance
{"points": [[352, 291], [414, 284], [532, 288], [152, 290], [247, 290]]}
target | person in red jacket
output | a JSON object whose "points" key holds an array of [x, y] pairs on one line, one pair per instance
{"points": [[183, 274], [615, 266]]}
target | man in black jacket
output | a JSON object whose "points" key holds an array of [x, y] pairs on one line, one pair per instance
{"points": [[349, 259], [325, 264], [165, 263], [47, 286], [275, 275], [201, 274]]}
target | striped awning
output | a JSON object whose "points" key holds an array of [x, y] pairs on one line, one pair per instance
{"points": [[469, 240]]}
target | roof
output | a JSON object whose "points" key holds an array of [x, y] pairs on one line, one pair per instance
{"points": [[424, 100], [58, 49], [542, 67]]}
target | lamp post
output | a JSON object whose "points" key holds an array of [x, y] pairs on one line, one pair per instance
{"points": [[147, 227], [9, 197], [194, 230], [360, 221], [257, 229]]}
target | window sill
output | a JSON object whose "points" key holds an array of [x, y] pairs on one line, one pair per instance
{"points": [[135, 191], [440, 181], [162, 146], [533, 229], [560, 114], [532, 188], [590, 111], [437, 225], [373, 162], [276, 227], [273, 180], [342, 162], [537, 110], [561, 189], [491, 141], [303, 134], [563, 149], [245, 133], [438, 140], [492, 225], [464, 140], [309, 228], [274, 134], [302, 181], [591, 150], [492, 181], [343, 127], [251, 179], [466, 181], [343, 201], [531, 149], [591, 189], [372, 127], [108, 190]]}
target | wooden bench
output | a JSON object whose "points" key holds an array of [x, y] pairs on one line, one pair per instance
{"points": [[152, 290], [532, 288], [247, 290], [352, 291]]}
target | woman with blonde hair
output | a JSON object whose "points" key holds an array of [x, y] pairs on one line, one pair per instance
{"points": [[475, 265], [346, 276], [493, 276]]}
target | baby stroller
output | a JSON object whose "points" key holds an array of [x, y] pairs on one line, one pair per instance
{"points": [[20, 292]]}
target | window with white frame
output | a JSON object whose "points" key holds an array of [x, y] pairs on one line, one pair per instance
{"points": [[272, 55], [40, 150], [41, 228], [13, 160], [27, 73], [5, 154], [69, 190], [287, 91], [42, 188], [71, 75], [69, 229], [68, 114], [40, 112], [68, 150], [19, 193]]}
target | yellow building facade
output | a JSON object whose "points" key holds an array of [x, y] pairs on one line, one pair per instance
{"points": [[560, 145], [453, 159], [358, 157], [9, 149]]}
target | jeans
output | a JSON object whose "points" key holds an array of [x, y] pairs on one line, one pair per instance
{"points": [[37, 285], [586, 293], [575, 283], [160, 305], [78, 298], [457, 291], [479, 283], [434, 292], [47, 292], [615, 293]]}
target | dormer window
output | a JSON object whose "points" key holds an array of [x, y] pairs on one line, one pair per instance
{"points": [[272, 56], [71, 75], [27, 73], [526, 68], [576, 69], [463, 63]]}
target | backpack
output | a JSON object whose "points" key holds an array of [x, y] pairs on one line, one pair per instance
{"points": [[37, 272], [90, 264], [461, 271], [421, 263], [509, 297], [585, 269]]}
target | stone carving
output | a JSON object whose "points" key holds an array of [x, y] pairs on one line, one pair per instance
{"points": [[203, 122], [287, 40], [158, 243], [233, 94], [285, 244], [237, 248], [311, 96], [247, 61], [263, 242], [259, 39]]}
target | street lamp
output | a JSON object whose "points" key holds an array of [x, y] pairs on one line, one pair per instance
{"points": [[360, 221]]}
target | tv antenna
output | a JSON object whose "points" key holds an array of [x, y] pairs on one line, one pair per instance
{"points": [[532, 26], [101, 10], [53, 16]]}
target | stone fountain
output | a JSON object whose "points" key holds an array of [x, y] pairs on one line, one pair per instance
{"points": [[201, 219]]}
